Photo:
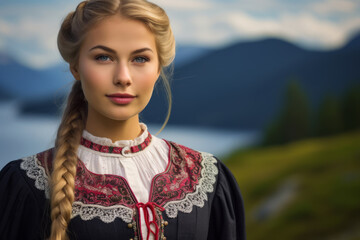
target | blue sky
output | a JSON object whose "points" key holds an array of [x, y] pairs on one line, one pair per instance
{"points": [[28, 29]]}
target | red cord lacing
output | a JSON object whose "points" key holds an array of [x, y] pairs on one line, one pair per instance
{"points": [[145, 207]]}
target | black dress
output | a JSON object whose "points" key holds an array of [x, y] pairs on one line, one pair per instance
{"points": [[205, 204]]}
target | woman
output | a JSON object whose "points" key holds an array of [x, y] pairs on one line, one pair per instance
{"points": [[107, 177]]}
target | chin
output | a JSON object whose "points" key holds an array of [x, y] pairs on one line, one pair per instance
{"points": [[121, 117]]}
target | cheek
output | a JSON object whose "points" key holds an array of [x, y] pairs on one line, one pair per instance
{"points": [[148, 80], [92, 78]]}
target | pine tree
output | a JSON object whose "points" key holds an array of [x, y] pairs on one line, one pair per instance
{"points": [[330, 119], [351, 109], [293, 122]]}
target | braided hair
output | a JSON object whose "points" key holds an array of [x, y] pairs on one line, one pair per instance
{"points": [[70, 37]]}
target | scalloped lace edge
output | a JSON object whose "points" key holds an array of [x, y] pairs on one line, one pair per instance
{"points": [[108, 214], [36, 172], [197, 198]]}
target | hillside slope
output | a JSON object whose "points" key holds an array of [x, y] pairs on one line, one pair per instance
{"points": [[304, 190]]}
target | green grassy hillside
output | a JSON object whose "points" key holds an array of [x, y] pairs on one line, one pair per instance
{"points": [[313, 187]]}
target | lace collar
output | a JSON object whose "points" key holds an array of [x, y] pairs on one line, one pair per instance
{"points": [[187, 181], [106, 145]]}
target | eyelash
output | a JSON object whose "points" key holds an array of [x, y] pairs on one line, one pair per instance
{"points": [[143, 58], [98, 58]]}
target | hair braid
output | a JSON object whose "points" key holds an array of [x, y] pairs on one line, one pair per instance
{"points": [[64, 165], [71, 35]]}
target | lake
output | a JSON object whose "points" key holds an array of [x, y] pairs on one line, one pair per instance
{"points": [[22, 136]]}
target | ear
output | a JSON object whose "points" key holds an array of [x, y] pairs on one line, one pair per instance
{"points": [[75, 72]]}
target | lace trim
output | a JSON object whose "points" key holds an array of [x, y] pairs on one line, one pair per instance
{"points": [[197, 198], [35, 171], [106, 214]]}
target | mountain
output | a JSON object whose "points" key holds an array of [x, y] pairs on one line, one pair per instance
{"points": [[242, 86], [23, 83], [354, 43], [4, 95], [184, 53], [239, 86]]}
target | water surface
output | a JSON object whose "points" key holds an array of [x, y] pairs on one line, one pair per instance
{"points": [[21, 136]]}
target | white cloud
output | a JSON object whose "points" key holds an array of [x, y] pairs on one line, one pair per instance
{"points": [[308, 29], [352, 24], [224, 25], [334, 6], [30, 31], [31, 37], [5, 29], [183, 5]]}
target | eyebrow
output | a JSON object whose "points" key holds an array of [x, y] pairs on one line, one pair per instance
{"points": [[114, 52], [103, 48]]}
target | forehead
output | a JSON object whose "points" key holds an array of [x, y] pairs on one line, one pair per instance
{"points": [[120, 33]]}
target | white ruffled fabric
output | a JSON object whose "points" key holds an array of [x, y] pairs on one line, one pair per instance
{"points": [[137, 168]]}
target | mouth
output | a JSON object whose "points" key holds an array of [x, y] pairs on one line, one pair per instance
{"points": [[121, 98]]}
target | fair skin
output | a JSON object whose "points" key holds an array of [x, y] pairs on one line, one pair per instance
{"points": [[117, 57]]}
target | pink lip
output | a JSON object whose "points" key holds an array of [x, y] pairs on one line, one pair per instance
{"points": [[121, 98]]}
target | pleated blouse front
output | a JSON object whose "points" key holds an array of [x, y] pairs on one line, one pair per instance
{"points": [[137, 168]]}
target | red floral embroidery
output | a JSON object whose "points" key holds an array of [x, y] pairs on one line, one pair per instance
{"points": [[96, 147], [104, 149], [135, 149], [91, 188], [117, 150], [181, 177], [45, 160], [104, 190], [85, 142], [107, 149]]}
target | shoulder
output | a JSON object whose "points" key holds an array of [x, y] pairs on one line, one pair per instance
{"points": [[193, 159], [40, 161], [33, 170], [201, 167], [23, 200], [208, 163], [183, 152], [189, 180], [12, 171]]}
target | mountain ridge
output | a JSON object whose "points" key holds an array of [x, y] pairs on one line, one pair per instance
{"points": [[245, 82], [238, 86]]}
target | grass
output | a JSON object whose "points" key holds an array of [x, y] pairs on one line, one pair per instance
{"points": [[327, 201]]}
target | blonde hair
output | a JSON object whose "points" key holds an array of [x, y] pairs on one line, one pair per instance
{"points": [[70, 37]]}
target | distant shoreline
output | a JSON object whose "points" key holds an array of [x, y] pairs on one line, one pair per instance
{"points": [[22, 136]]}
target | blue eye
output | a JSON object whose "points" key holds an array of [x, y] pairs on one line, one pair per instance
{"points": [[103, 58], [140, 59]]}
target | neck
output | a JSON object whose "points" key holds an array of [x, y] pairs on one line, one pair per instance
{"points": [[101, 126]]}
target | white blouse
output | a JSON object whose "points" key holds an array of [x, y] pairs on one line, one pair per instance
{"points": [[137, 168]]}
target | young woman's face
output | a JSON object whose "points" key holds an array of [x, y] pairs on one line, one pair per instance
{"points": [[118, 67]]}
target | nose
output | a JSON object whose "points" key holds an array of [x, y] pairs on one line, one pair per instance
{"points": [[122, 75]]}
